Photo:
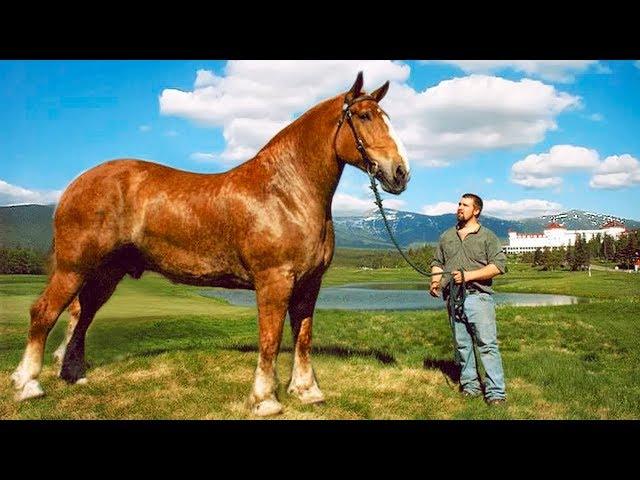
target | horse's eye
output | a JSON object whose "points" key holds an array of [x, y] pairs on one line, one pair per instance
{"points": [[364, 116]]}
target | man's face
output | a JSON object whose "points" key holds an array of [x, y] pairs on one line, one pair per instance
{"points": [[466, 209]]}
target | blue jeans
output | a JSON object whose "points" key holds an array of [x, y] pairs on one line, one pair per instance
{"points": [[479, 325]]}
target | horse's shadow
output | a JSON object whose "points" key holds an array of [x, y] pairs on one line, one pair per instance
{"points": [[334, 350], [448, 367]]}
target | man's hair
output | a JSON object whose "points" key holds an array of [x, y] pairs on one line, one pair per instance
{"points": [[477, 201]]}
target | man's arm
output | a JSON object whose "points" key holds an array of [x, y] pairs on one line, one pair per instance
{"points": [[434, 288], [437, 266], [436, 278], [485, 273]]}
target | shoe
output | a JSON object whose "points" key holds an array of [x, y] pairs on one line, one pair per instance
{"points": [[496, 401]]}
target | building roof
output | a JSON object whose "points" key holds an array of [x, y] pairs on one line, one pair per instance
{"points": [[613, 223], [554, 225]]}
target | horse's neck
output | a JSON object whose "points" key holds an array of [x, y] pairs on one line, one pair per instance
{"points": [[302, 159]]}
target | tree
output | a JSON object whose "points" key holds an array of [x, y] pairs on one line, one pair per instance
{"points": [[21, 261], [608, 247], [569, 256], [594, 246], [622, 248], [546, 258], [627, 249], [527, 257], [537, 258], [581, 258]]}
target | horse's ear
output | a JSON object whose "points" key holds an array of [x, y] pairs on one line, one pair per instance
{"points": [[381, 92], [356, 89]]}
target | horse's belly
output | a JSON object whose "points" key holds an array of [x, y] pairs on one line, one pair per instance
{"points": [[196, 267]]}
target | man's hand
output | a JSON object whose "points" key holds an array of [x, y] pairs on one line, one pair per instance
{"points": [[457, 276], [434, 290]]}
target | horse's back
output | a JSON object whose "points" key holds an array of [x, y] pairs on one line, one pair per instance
{"points": [[104, 206]]}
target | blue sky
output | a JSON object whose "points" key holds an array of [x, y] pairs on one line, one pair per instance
{"points": [[530, 137]]}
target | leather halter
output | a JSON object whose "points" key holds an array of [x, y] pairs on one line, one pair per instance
{"points": [[347, 114]]}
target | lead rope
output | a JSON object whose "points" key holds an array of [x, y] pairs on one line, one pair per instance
{"points": [[457, 293]]}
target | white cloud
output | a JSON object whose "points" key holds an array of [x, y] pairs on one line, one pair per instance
{"points": [[501, 208], [529, 181], [616, 172], [475, 113], [345, 204], [14, 195], [252, 100], [520, 209], [542, 170], [561, 71], [204, 157], [616, 164], [144, 128], [439, 208], [171, 133], [488, 180], [596, 117]]}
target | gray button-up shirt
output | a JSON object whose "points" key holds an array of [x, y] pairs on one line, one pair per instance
{"points": [[477, 250]]}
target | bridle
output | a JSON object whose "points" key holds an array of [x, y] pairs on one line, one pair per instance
{"points": [[347, 114]]}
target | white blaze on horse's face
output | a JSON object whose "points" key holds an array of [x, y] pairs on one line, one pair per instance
{"points": [[402, 152], [399, 145]]}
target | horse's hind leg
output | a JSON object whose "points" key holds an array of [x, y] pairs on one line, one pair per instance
{"points": [[74, 315], [45, 311], [303, 381], [94, 293], [273, 291]]}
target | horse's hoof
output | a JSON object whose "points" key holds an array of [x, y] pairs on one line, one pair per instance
{"points": [[73, 372], [32, 389], [80, 381], [309, 395], [267, 407]]}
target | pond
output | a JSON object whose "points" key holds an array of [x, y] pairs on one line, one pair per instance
{"points": [[392, 296]]}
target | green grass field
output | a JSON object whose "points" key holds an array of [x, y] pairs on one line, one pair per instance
{"points": [[161, 351]]}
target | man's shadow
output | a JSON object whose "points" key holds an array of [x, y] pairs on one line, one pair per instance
{"points": [[450, 368]]}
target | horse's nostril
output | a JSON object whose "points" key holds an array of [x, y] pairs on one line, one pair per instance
{"points": [[400, 172]]}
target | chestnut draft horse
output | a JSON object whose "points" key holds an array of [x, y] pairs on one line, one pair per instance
{"points": [[264, 225]]}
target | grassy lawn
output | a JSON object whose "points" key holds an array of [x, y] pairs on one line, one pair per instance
{"points": [[160, 351]]}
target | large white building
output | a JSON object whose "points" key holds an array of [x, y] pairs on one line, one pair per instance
{"points": [[556, 235]]}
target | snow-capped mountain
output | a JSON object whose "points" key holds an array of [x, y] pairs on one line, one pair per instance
{"points": [[410, 228]]}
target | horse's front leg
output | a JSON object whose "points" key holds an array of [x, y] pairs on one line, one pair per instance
{"points": [[273, 292], [303, 381]]}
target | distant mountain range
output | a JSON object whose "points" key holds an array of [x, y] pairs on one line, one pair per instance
{"points": [[411, 228], [31, 226]]}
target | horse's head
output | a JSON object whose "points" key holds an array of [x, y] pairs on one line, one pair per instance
{"points": [[366, 139]]}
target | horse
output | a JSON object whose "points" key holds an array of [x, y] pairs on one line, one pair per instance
{"points": [[265, 225]]}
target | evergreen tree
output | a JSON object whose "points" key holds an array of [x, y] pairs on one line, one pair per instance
{"points": [[537, 257], [569, 256], [608, 247]]}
